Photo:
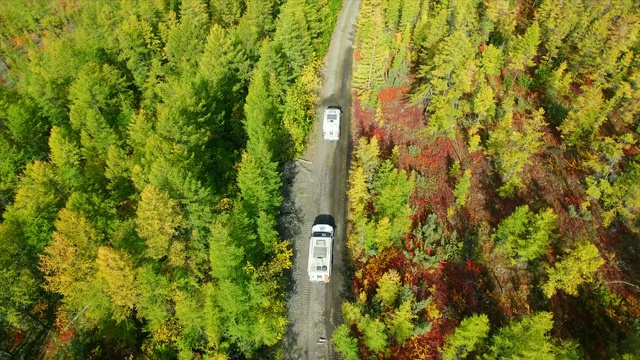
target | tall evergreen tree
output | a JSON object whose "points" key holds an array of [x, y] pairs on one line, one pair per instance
{"points": [[295, 36], [139, 45], [512, 150], [432, 25], [446, 79], [227, 14], [393, 189], [185, 37], [261, 117], [392, 13], [589, 112], [468, 336], [373, 49], [38, 199], [523, 235], [345, 345], [525, 339], [557, 19], [257, 23], [100, 109], [575, 269], [524, 48], [69, 268], [20, 284], [115, 270], [409, 13], [619, 197], [158, 221]]}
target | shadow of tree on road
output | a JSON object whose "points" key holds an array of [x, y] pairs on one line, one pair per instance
{"points": [[290, 219]]}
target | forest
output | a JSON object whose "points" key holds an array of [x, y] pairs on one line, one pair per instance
{"points": [[494, 191], [140, 152]]}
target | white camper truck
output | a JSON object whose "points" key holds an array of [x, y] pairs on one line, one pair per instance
{"points": [[331, 123], [320, 248]]}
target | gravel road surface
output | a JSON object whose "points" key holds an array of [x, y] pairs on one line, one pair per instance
{"points": [[317, 186]]}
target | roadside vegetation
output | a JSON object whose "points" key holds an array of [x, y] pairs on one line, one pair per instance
{"points": [[140, 148], [494, 191]]}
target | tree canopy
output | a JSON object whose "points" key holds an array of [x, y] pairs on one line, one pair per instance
{"points": [[493, 190], [141, 144]]}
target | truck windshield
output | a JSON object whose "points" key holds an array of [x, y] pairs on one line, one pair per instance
{"points": [[320, 234]]}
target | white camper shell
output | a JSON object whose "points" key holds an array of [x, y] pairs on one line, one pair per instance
{"points": [[320, 249], [331, 123]]}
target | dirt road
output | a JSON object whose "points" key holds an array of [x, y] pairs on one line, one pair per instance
{"points": [[318, 186]]}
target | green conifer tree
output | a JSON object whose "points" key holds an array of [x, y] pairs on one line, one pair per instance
{"points": [[345, 345], [525, 339], [511, 150], [373, 48], [524, 49], [185, 38], [524, 235], [392, 12], [468, 336], [295, 36], [576, 268]]}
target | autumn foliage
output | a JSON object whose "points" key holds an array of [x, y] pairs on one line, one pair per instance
{"points": [[519, 137]]}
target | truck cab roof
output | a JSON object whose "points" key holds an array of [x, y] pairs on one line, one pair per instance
{"points": [[322, 230]]}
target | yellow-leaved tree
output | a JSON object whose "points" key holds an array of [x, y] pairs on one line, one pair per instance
{"points": [[577, 268], [158, 219], [69, 268], [69, 258], [118, 275], [299, 110]]}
